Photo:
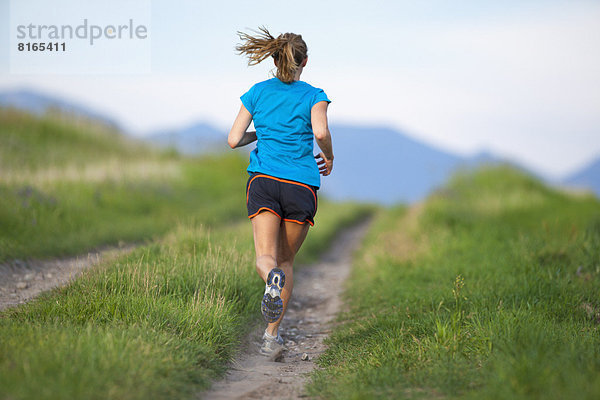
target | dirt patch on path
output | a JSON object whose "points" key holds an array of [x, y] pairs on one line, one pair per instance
{"points": [[315, 303], [21, 281]]}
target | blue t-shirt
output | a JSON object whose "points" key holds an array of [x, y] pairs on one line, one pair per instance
{"points": [[281, 114]]}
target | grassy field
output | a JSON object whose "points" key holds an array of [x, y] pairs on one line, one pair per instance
{"points": [[67, 187], [490, 289], [158, 323], [31, 143]]}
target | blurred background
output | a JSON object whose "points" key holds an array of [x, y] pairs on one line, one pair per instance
{"points": [[418, 89], [480, 284]]}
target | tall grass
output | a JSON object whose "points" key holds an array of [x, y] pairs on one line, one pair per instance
{"points": [[158, 323], [67, 187], [488, 290], [68, 217], [153, 324], [32, 143]]}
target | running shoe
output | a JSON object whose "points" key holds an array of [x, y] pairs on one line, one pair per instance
{"points": [[272, 305], [272, 346]]}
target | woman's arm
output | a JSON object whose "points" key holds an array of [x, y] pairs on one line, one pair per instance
{"points": [[318, 116], [238, 135]]}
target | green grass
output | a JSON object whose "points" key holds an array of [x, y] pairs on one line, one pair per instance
{"points": [[160, 322], [66, 187], [331, 218], [152, 324], [32, 143], [71, 217], [488, 290]]}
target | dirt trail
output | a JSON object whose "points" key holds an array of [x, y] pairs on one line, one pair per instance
{"points": [[21, 281], [314, 304]]}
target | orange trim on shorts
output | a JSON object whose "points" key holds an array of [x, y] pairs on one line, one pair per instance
{"points": [[299, 222], [263, 209], [284, 219], [284, 181]]}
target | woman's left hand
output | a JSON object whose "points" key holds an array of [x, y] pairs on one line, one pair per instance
{"points": [[325, 165]]}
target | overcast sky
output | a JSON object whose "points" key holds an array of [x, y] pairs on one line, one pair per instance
{"points": [[518, 78]]}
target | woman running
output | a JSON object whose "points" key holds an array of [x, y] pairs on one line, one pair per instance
{"points": [[281, 193]]}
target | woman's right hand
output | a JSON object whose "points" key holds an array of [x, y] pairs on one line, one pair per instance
{"points": [[325, 164]]}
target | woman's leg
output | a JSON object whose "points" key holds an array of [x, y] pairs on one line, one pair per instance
{"points": [[291, 237], [266, 227]]}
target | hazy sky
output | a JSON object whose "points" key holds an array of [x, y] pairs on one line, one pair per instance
{"points": [[519, 78]]}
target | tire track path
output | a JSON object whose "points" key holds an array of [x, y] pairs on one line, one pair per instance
{"points": [[21, 281]]}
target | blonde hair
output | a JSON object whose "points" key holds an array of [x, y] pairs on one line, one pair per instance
{"points": [[288, 50]]}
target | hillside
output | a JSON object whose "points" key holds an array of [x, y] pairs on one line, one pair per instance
{"points": [[31, 143], [38, 103], [67, 186], [486, 290]]}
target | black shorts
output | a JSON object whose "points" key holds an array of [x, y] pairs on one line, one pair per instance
{"points": [[290, 200]]}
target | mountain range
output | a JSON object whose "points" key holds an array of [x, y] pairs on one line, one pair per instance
{"points": [[383, 165], [196, 138], [587, 177], [373, 163]]}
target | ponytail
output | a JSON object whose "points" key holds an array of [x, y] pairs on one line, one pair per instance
{"points": [[288, 50]]}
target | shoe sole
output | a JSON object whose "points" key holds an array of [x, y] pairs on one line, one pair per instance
{"points": [[272, 305], [276, 277]]}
